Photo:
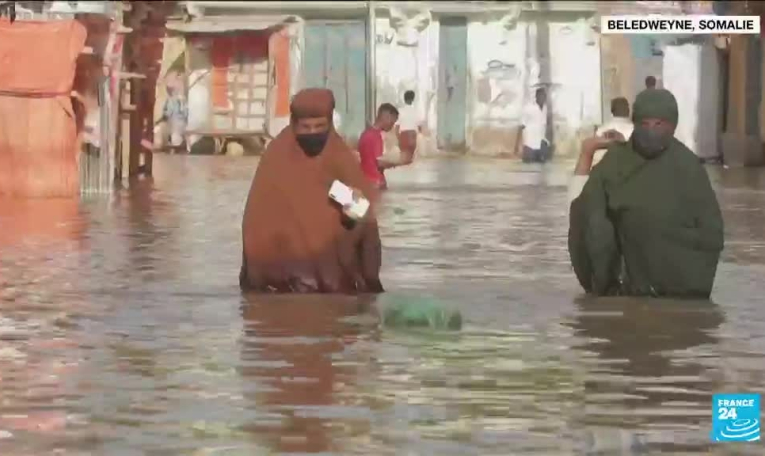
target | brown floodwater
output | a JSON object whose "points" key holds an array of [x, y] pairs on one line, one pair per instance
{"points": [[123, 330]]}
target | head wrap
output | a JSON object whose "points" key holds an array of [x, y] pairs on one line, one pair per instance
{"points": [[655, 104], [313, 102]]}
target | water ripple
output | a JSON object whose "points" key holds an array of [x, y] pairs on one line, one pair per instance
{"points": [[123, 330]]}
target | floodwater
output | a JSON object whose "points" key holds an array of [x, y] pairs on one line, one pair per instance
{"points": [[123, 331]]}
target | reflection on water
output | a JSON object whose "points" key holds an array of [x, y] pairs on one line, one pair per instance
{"points": [[123, 330], [651, 358], [296, 355]]}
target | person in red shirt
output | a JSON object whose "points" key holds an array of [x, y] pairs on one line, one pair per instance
{"points": [[371, 146]]}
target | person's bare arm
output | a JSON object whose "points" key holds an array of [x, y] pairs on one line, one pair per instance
{"points": [[407, 144], [592, 145], [586, 155], [383, 165], [584, 163]]}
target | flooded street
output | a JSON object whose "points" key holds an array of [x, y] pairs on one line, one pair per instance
{"points": [[123, 330]]}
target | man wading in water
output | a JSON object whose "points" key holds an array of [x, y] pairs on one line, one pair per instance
{"points": [[536, 147], [371, 145]]}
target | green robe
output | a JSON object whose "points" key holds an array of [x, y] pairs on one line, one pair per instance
{"points": [[646, 226]]}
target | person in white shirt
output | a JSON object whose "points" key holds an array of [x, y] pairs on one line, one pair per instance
{"points": [[407, 128], [593, 151], [408, 119], [536, 147], [621, 122]]}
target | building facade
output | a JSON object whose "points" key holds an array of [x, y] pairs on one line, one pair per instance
{"points": [[692, 67], [474, 65], [743, 121]]}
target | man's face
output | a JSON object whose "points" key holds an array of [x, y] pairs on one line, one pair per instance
{"points": [[652, 136], [541, 98], [387, 121], [658, 125], [312, 134], [311, 125], [174, 83]]}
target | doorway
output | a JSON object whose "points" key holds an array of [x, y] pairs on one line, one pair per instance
{"points": [[452, 82], [335, 58]]}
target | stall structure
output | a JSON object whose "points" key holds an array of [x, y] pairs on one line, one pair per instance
{"points": [[229, 74]]}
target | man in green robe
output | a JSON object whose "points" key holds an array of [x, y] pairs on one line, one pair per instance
{"points": [[647, 222]]}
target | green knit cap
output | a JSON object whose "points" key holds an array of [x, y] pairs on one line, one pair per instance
{"points": [[655, 104]]}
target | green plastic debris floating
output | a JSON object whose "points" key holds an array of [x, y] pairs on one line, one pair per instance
{"points": [[421, 313]]}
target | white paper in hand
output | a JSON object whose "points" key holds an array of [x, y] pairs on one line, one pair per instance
{"points": [[343, 195], [359, 209]]}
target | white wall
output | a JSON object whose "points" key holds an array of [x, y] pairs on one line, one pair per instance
{"points": [[504, 73], [400, 68], [498, 72], [689, 70], [576, 88]]}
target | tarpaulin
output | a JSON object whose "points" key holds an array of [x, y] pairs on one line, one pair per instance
{"points": [[251, 46], [38, 132], [221, 52], [280, 45]]}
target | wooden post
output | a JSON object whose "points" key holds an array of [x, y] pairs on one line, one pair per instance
{"points": [[136, 129], [114, 61], [187, 85], [762, 93], [125, 128], [105, 170], [148, 156], [131, 103], [126, 94], [737, 85]]}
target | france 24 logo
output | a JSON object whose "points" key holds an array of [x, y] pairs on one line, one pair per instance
{"points": [[735, 417]]}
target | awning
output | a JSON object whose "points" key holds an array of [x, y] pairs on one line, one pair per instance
{"points": [[223, 24]]}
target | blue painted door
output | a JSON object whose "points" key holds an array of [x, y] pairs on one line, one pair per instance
{"points": [[335, 58], [452, 82]]}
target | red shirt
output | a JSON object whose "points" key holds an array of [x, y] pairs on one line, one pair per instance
{"points": [[370, 149]]}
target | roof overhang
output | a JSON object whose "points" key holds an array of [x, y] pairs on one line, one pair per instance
{"points": [[225, 24]]}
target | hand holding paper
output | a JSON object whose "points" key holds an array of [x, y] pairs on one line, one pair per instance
{"points": [[355, 206]]}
